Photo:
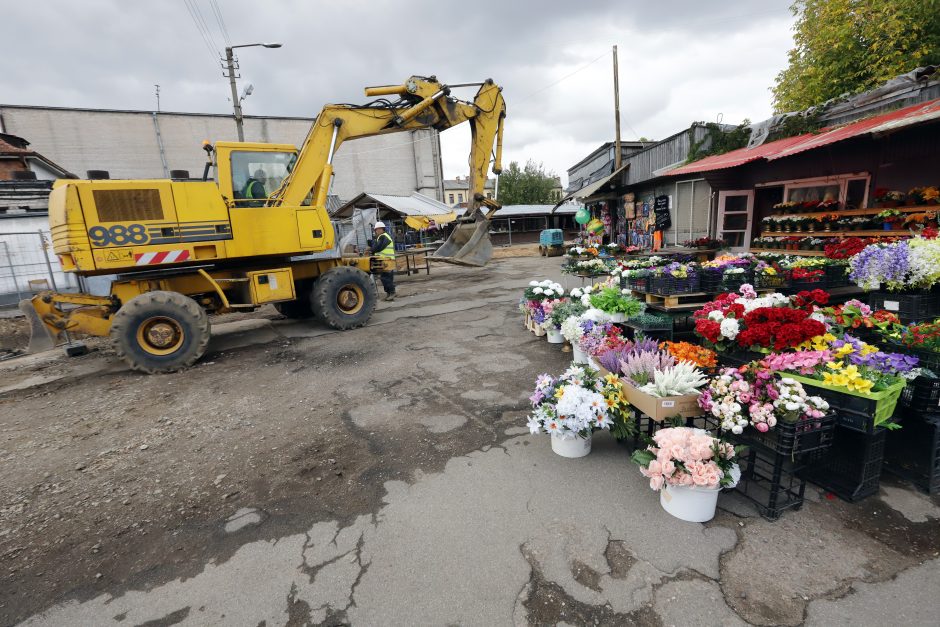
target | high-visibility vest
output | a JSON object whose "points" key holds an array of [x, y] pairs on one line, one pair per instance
{"points": [[389, 250], [250, 189]]}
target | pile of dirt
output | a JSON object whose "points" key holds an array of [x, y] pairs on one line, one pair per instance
{"points": [[14, 334]]}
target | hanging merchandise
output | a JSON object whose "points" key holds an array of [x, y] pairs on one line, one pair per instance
{"points": [[605, 218], [595, 226], [582, 215]]}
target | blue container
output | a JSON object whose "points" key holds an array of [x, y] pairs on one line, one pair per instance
{"points": [[551, 237]]}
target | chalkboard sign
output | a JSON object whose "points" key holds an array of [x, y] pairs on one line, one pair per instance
{"points": [[661, 211]]}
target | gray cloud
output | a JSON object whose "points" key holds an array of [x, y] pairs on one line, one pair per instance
{"points": [[680, 60]]}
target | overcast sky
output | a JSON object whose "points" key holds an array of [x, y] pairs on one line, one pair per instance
{"points": [[680, 61]]}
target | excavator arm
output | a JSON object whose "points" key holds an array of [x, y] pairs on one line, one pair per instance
{"points": [[421, 103]]}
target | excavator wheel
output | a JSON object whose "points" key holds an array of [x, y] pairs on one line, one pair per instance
{"points": [[344, 298], [160, 332], [302, 307]]}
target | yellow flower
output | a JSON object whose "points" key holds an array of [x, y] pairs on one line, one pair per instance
{"points": [[844, 350], [829, 337], [770, 271], [868, 349], [863, 385], [851, 372], [559, 392], [834, 365], [612, 379], [840, 380]]}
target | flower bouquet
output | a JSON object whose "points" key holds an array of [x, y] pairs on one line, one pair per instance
{"points": [[559, 312], [573, 406], [748, 322], [892, 219], [692, 353], [536, 296], [785, 419], [704, 243], [659, 386], [688, 467], [888, 198]]}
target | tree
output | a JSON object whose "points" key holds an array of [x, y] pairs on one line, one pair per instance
{"points": [[849, 46], [527, 186]]}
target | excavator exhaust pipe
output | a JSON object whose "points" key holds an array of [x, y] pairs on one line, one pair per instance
{"points": [[468, 245], [40, 337]]}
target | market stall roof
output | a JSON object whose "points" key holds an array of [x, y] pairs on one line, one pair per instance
{"points": [[417, 210], [885, 123], [512, 211], [589, 190]]}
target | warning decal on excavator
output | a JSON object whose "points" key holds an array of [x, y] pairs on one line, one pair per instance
{"points": [[169, 256]]}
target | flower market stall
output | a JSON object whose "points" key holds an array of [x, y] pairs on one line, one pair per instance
{"points": [[778, 382]]}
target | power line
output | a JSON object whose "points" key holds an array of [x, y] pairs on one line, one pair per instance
{"points": [[217, 10], [203, 34]]}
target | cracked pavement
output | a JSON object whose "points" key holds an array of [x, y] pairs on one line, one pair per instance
{"points": [[455, 515]]}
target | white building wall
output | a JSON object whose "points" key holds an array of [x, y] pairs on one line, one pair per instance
{"points": [[125, 144]]}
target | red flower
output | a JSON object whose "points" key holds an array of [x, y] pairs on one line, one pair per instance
{"points": [[709, 329]]}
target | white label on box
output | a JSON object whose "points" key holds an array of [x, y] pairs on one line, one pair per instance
{"points": [[892, 305], [667, 404], [272, 281]]}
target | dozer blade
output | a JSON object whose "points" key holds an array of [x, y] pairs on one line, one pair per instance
{"points": [[40, 338], [469, 244]]}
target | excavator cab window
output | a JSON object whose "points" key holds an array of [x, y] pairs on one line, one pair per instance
{"points": [[257, 174]]}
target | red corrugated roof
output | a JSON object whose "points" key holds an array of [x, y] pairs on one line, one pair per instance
{"points": [[884, 123]]}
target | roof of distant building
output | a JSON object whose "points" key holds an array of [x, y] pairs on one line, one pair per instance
{"points": [[414, 205], [461, 183]]}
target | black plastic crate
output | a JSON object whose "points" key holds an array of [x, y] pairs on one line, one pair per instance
{"points": [[738, 358], [778, 281], [851, 467], [710, 283], [921, 395], [908, 307], [810, 283], [837, 275], [793, 438], [913, 453], [639, 282], [733, 282], [771, 482], [667, 285], [852, 412]]}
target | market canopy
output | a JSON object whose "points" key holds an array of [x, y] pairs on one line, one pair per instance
{"points": [[417, 210], [875, 125], [589, 190]]}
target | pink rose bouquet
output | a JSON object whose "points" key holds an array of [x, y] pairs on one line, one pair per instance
{"points": [[683, 456]]}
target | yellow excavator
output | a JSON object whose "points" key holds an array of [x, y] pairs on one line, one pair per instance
{"points": [[184, 249]]}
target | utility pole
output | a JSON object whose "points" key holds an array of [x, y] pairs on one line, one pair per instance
{"points": [[230, 63], [618, 156], [157, 91]]}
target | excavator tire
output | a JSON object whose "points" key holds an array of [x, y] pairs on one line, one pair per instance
{"points": [[160, 332], [302, 307], [344, 298]]}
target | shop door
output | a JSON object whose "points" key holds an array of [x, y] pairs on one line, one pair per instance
{"points": [[735, 211]]}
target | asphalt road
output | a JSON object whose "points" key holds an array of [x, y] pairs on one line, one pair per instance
{"points": [[384, 476]]}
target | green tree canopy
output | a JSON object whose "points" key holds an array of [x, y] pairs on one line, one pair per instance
{"points": [[530, 185], [849, 46]]}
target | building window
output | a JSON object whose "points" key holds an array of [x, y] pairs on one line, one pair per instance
{"points": [[460, 197], [450, 198], [489, 195], [848, 189]]}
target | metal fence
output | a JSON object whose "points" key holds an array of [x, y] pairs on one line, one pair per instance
{"points": [[27, 266]]}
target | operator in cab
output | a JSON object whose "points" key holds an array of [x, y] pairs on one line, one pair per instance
{"points": [[254, 189], [384, 246]]}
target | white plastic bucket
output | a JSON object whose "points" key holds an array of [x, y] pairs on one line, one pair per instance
{"points": [[571, 447], [578, 355], [555, 336], [690, 503], [617, 317]]}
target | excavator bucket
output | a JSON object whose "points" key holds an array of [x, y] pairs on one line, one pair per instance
{"points": [[469, 244], [40, 338]]}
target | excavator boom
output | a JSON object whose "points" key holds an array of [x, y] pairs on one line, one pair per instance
{"points": [[422, 103]]}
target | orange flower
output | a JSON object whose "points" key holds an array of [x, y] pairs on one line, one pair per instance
{"points": [[685, 351]]}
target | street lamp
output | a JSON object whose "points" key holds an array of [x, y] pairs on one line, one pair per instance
{"points": [[230, 61]]}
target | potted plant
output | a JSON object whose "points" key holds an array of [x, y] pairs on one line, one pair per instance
{"points": [[573, 406], [617, 303], [931, 196], [885, 198], [559, 313], [536, 295], [891, 219], [915, 197], [688, 467]]}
